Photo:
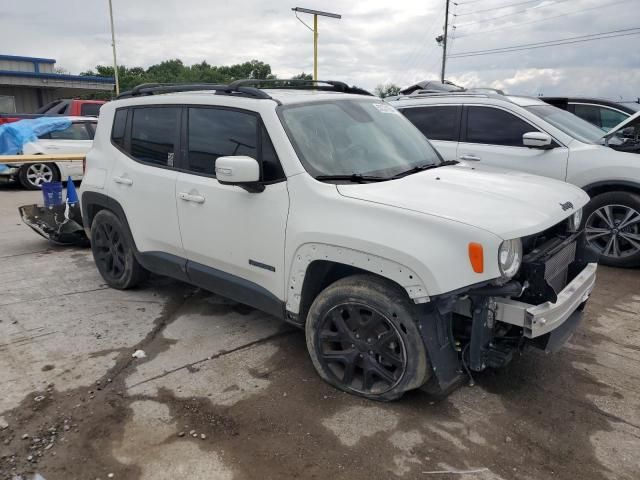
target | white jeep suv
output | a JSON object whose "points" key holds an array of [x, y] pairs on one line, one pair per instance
{"points": [[527, 134], [323, 206]]}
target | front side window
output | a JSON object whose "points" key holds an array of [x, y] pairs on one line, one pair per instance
{"points": [[435, 123], [590, 113], [610, 118], [569, 123], [77, 131], [154, 134], [217, 133], [493, 126], [361, 137]]}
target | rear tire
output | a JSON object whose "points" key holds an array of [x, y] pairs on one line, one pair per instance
{"points": [[363, 338], [612, 228], [32, 175], [113, 252]]}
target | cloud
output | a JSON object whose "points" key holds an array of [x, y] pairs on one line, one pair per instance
{"points": [[375, 41]]}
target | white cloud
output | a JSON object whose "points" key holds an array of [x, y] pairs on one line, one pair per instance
{"points": [[375, 41]]}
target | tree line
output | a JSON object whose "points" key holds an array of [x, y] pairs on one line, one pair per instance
{"points": [[174, 71]]}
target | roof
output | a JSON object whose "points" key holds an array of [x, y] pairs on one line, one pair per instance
{"points": [[56, 76], [526, 101], [19, 58]]}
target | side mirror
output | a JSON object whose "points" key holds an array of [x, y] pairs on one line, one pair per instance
{"points": [[239, 170], [537, 140]]}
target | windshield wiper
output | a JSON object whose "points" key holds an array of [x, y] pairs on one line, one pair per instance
{"points": [[354, 177], [427, 166]]}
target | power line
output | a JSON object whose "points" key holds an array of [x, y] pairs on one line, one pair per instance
{"points": [[497, 7], [512, 13], [566, 14], [551, 43]]}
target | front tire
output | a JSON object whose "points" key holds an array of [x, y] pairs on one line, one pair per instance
{"points": [[32, 175], [113, 252], [612, 228], [363, 338]]}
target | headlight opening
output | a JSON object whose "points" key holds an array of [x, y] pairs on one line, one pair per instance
{"points": [[510, 257]]}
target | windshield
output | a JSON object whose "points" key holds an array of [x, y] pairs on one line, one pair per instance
{"points": [[568, 123], [355, 137]]}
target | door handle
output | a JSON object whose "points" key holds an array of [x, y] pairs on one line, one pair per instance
{"points": [[123, 180], [470, 158], [188, 197]]}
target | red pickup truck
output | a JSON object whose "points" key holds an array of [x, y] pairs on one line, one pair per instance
{"points": [[68, 107]]}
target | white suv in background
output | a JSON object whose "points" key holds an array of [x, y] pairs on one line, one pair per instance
{"points": [[325, 207], [527, 134]]}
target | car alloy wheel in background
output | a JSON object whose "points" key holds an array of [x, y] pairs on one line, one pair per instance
{"points": [[614, 231], [33, 175]]}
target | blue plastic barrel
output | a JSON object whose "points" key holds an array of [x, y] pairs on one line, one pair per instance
{"points": [[52, 193]]}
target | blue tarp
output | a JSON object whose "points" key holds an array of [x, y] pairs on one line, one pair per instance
{"points": [[13, 136]]}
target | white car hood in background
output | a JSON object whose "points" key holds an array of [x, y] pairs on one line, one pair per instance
{"points": [[506, 203]]}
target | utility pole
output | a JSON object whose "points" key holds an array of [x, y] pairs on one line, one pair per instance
{"points": [[444, 40], [113, 46], [315, 14]]}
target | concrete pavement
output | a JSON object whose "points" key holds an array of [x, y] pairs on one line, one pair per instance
{"points": [[226, 392]]}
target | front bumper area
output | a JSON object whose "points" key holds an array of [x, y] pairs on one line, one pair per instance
{"points": [[538, 320]]}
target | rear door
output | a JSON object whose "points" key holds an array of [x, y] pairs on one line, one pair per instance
{"points": [[440, 124], [493, 136], [143, 177], [229, 234]]}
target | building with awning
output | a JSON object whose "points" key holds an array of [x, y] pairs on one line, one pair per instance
{"points": [[28, 83]]}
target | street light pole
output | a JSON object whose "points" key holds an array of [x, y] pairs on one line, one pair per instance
{"points": [[113, 46], [316, 14]]}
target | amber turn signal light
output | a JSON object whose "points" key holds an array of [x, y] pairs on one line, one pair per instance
{"points": [[476, 257]]}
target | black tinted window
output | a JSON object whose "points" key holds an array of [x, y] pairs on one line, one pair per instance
{"points": [[495, 127], [118, 129], [271, 168], [435, 123], [217, 133], [154, 132], [90, 109], [590, 113]]}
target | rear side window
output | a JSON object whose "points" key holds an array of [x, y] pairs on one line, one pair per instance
{"points": [[217, 133], [77, 131], [118, 129], [435, 123], [492, 126], [90, 109], [154, 135]]}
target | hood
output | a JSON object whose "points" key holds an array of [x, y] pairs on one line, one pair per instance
{"points": [[632, 121], [506, 203]]}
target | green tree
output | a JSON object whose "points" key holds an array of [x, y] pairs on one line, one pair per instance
{"points": [[302, 76], [387, 90]]}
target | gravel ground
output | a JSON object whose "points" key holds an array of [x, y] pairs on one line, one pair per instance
{"points": [[226, 392]]}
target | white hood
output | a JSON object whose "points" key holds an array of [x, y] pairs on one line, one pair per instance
{"points": [[507, 203]]}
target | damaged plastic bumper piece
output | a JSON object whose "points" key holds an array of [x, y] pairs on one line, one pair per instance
{"points": [[60, 224], [538, 320]]}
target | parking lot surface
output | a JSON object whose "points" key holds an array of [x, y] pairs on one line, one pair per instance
{"points": [[226, 392]]}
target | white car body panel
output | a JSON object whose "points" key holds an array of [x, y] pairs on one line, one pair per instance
{"points": [[427, 228]]}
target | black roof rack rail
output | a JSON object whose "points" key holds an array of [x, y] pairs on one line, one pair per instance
{"points": [[160, 88], [248, 87], [301, 84]]}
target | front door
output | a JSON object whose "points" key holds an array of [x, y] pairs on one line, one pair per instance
{"points": [[233, 239], [494, 137]]}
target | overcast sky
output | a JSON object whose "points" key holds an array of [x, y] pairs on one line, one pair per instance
{"points": [[375, 41]]}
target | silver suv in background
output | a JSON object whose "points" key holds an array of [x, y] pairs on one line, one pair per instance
{"points": [[527, 134]]}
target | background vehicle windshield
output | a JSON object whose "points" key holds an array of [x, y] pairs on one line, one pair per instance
{"points": [[568, 123], [347, 137]]}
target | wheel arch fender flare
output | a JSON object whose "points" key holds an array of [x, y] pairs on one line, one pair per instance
{"points": [[308, 253], [596, 188]]}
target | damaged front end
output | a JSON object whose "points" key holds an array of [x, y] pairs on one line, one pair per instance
{"points": [[541, 306], [60, 224]]}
